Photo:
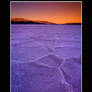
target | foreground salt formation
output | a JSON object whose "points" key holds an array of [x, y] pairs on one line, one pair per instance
{"points": [[48, 74], [50, 60], [33, 77], [72, 73]]}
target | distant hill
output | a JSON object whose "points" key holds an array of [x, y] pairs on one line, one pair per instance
{"points": [[72, 24], [26, 21]]}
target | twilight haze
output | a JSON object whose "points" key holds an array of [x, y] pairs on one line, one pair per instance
{"points": [[56, 12]]}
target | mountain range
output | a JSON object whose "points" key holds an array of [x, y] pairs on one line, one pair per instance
{"points": [[26, 21]]}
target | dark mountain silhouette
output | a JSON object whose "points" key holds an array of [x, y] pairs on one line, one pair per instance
{"points": [[26, 21]]}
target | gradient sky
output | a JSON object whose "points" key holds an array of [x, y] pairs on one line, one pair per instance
{"points": [[57, 12]]}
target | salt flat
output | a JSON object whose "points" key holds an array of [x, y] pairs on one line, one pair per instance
{"points": [[45, 58]]}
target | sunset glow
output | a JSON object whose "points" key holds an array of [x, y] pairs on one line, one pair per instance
{"points": [[57, 12]]}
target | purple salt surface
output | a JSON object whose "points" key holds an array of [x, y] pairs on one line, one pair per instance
{"points": [[32, 77], [28, 53], [50, 60], [72, 72], [68, 52], [45, 58]]}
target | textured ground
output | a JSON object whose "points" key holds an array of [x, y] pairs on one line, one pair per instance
{"points": [[45, 58]]}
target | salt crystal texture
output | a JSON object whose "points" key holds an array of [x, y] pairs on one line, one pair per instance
{"points": [[45, 58]]}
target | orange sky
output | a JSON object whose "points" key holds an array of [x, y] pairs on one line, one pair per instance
{"points": [[57, 12]]}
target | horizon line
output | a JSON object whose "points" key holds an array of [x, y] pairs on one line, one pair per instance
{"points": [[26, 20]]}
